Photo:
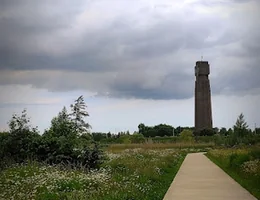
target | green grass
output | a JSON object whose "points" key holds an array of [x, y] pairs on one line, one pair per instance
{"points": [[144, 175], [243, 165], [189, 146], [129, 174]]}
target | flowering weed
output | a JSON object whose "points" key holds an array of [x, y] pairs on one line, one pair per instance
{"points": [[242, 164], [130, 174]]}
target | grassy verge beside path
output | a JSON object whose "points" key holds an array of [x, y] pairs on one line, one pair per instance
{"points": [[243, 165]]}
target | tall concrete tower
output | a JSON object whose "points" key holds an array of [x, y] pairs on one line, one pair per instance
{"points": [[203, 113]]}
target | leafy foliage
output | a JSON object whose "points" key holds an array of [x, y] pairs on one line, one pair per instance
{"points": [[65, 142], [136, 174], [241, 127], [241, 123], [159, 130], [78, 114], [21, 141], [242, 164], [187, 136]]}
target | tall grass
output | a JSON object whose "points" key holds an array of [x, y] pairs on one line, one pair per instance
{"points": [[151, 145], [130, 174], [242, 164]]}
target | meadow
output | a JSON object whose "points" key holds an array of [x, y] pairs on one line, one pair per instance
{"points": [[242, 164], [130, 173], [67, 162]]}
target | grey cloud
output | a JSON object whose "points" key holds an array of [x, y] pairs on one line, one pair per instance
{"points": [[24, 105], [251, 44], [56, 81], [242, 1], [98, 50], [91, 61], [220, 2], [138, 84], [243, 80]]}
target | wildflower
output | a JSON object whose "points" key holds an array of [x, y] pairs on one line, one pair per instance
{"points": [[251, 167]]}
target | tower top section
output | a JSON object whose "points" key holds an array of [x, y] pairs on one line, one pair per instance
{"points": [[202, 68]]}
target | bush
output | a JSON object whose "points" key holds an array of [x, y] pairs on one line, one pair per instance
{"points": [[218, 139], [204, 139], [137, 138], [255, 153], [22, 145], [206, 132], [187, 136], [242, 164], [63, 143], [3, 141], [65, 150], [236, 160]]}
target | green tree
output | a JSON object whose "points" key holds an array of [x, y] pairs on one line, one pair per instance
{"points": [[3, 145], [62, 125], [178, 130], [141, 128], [241, 123], [163, 130], [230, 131], [216, 130], [19, 123], [125, 139], [109, 135], [187, 136], [207, 132], [22, 139], [241, 127], [223, 131], [62, 143], [99, 136], [60, 140], [137, 138], [78, 115]]}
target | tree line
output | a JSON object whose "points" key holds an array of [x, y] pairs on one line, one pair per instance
{"points": [[66, 142], [239, 133], [164, 130], [68, 139]]}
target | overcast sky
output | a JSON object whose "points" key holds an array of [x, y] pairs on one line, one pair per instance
{"points": [[133, 60]]}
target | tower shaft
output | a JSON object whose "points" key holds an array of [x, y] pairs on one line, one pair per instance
{"points": [[203, 112]]}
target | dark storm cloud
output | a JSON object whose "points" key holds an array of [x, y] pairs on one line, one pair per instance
{"points": [[142, 85], [247, 52], [24, 24], [246, 81], [38, 37], [20, 43]]}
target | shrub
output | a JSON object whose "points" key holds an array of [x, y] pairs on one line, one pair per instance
{"points": [[63, 143], [206, 132], [255, 153], [242, 164], [63, 150], [3, 141], [22, 145], [137, 138], [21, 142], [187, 136], [236, 159]]}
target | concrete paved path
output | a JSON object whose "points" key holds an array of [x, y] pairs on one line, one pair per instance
{"points": [[200, 179]]}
